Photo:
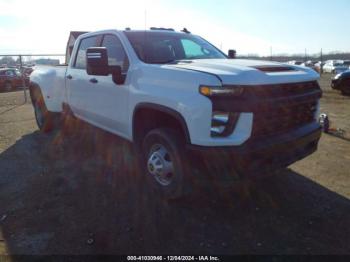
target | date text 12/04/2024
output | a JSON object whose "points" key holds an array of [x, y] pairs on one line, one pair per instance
{"points": [[173, 258]]}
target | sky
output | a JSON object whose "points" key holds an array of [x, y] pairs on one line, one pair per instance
{"points": [[249, 26]]}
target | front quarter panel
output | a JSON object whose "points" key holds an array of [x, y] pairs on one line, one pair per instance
{"points": [[178, 90]]}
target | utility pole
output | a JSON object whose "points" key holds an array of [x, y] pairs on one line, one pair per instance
{"points": [[271, 53], [321, 68], [23, 81], [305, 56]]}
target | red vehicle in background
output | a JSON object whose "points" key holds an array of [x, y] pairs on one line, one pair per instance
{"points": [[11, 78]]}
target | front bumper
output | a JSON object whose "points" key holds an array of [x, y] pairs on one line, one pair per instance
{"points": [[255, 158]]}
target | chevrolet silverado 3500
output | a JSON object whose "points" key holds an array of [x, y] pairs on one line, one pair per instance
{"points": [[171, 93]]}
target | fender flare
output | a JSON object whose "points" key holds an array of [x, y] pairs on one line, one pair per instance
{"points": [[166, 110], [32, 86]]}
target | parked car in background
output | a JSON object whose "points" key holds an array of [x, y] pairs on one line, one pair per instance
{"points": [[27, 71], [335, 66], [319, 66], [310, 64], [295, 62], [11, 78], [342, 82], [347, 63]]}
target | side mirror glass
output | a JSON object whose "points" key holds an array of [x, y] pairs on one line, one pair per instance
{"points": [[97, 64], [231, 53], [97, 61]]}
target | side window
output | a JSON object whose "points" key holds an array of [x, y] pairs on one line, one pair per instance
{"points": [[192, 49], [10, 73], [116, 53], [80, 60]]}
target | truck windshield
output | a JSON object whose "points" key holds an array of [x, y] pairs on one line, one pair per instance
{"points": [[167, 47]]}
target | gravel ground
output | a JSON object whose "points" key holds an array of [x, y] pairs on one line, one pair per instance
{"points": [[77, 195]]}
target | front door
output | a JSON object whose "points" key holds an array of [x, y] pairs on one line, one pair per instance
{"points": [[97, 99]]}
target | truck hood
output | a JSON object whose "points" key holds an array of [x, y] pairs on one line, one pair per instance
{"points": [[249, 72]]}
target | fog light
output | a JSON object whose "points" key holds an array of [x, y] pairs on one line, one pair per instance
{"points": [[223, 123]]}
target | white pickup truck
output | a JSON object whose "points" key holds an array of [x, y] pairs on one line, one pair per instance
{"points": [[173, 93]]}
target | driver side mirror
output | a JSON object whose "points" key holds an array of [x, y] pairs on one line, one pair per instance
{"points": [[231, 53], [97, 64]]}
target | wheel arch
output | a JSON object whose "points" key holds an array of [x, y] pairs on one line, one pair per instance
{"points": [[158, 112], [34, 90]]}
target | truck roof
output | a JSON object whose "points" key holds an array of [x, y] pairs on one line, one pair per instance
{"points": [[161, 29]]}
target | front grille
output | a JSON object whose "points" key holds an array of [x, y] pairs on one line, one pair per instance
{"points": [[279, 90], [278, 120], [277, 108]]}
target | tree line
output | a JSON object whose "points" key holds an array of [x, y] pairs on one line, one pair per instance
{"points": [[299, 57]]}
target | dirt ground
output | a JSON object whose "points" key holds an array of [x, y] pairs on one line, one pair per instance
{"points": [[76, 195]]}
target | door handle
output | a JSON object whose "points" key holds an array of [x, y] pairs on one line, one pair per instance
{"points": [[93, 80], [69, 77]]}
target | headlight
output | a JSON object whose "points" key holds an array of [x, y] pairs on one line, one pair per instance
{"points": [[221, 90], [337, 76]]}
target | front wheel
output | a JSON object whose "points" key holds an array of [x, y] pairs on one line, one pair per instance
{"points": [[165, 164]]}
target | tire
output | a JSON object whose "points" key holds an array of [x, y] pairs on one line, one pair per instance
{"points": [[163, 149], [43, 117], [345, 90]]}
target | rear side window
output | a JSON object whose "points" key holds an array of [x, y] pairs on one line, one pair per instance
{"points": [[10, 73], [116, 53], [80, 60]]}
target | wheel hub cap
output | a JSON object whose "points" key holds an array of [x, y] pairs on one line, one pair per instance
{"points": [[160, 165]]}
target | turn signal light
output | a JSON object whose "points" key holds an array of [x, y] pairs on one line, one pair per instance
{"points": [[221, 90]]}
